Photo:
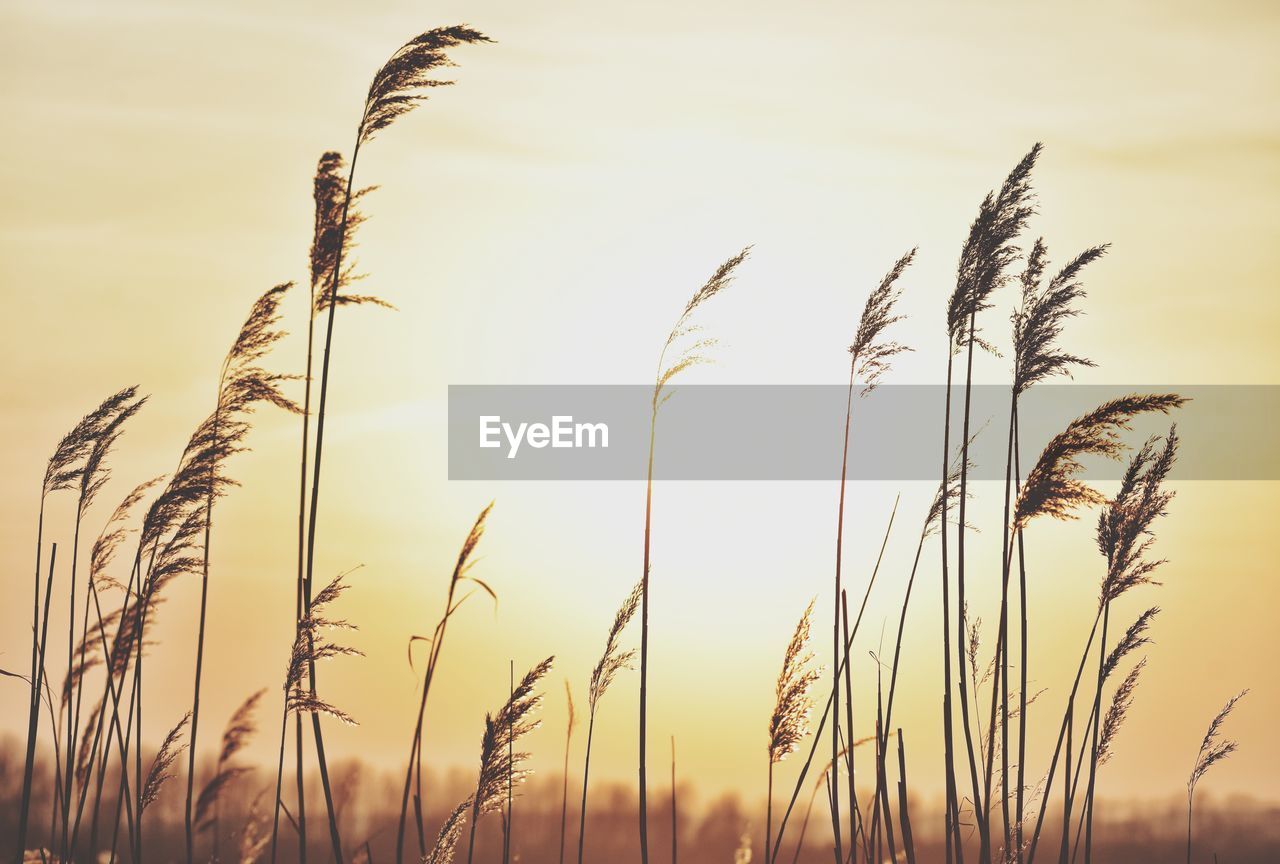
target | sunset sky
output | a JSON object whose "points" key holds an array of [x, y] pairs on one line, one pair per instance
{"points": [[544, 221]]}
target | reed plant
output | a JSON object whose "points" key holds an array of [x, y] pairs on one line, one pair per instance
{"points": [[70, 467], [1037, 326], [1213, 749], [311, 645], [1045, 307], [242, 385], [1053, 488], [611, 662], [459, 578], [989, 251], [690, 348], [400, 85], [789, 723], [869, 358], [570, 722], [500, 763], [235, 737]]}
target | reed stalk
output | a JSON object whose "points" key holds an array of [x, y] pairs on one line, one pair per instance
{"points": [[568, 742], [65, 470], [1212, 751], [499, 761], [241, 384], [1052, 488], [675, 833], [789, 722], [611, 662], [988, 251], [869, 358], [397, 88], [460, 576], [1037, 327], [827, 710], [310, 644], [235, 737], [692, 354]]}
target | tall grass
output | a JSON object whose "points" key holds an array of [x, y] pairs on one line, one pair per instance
{"points": [[175, 539], [1053, 488], [310, 645], [571, 721], [869, 356], [69, 467], [1124, 537], [685, 338], [789, 723], [78, 462], [101, 555], [611, 662], [329, 234], [500, 764], [1212, 751], [460, 576], [242, 384], [94, 475], [827, 710], [988, 252], [397, 88], [1037, 327], [235, 737]]}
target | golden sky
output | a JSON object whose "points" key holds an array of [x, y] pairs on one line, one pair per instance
{"points": [[544, 221]]}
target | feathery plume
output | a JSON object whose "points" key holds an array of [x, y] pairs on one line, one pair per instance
{"points": [[446, 844], [66, 465], [112, 535], [693, 353], [951, 488], [334, 238], [1038, 322], [613, 660], [990, 249], [1124, 528], [789, 723], [163, 762], [1212, 749], [234, 738], [1120, 703], [95, 473], [85, 751], [255, 837], [87, 654], [244, 383], [311, 646], [870, 354], [498, 767], [1052, 487], [405, 79], [1134, 638]]}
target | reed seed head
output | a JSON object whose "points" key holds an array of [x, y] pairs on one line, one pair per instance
{"points": [[1213, 749], [405, 80], [614, 660], [789, 723], [500, 763], [1052, 487], [989, 250], [161, 766], [871, 354], [1038, 322]]}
